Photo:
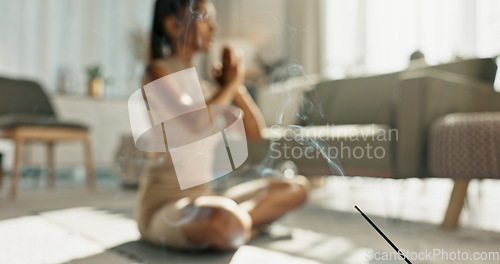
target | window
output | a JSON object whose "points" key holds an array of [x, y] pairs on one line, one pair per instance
{"points": [[377, 36]]}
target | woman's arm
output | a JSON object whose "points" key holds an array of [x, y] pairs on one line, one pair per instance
{"points": [[226, 94], [230, 76], [231, 71], [252, 117]]}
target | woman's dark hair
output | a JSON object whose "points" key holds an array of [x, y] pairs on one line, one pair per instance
{"points": [[163, 9]]}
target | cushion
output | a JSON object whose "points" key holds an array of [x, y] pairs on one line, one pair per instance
{"points": [[465, 146], [14, 120]]}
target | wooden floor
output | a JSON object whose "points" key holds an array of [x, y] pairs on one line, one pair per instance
{"points": [[414, 199], [68, 225]]}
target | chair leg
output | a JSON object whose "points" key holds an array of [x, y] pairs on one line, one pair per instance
{"points": [[89, 165], [14, 184], [457, 200], [1, 171], [50, 165]]}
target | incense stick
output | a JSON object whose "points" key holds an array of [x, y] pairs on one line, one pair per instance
{"points": [[383, 235]]}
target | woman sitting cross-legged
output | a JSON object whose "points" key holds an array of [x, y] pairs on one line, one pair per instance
{"points": [[197, 218]]}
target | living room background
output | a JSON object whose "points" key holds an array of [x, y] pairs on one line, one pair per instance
{"points": [[338, 38]]}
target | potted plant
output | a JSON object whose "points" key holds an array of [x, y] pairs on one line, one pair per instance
{"points": [[95, 81]]}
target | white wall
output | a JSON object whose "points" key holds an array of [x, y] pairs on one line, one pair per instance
{"points": [[279, 29], [261, 22], [41, 37]]}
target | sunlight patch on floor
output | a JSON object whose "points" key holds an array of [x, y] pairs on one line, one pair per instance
{"points": [[63, 235], [417, 200]]}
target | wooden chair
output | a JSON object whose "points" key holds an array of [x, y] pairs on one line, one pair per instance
{"points": [[26, 115]]}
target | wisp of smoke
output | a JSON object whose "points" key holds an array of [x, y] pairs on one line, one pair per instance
{"points": [[296, 108]]}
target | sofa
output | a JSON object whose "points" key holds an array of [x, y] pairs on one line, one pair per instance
{"points": [[357, 112]]}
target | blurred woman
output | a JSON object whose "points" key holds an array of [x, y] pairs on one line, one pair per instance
{"points": [[197, 218]]}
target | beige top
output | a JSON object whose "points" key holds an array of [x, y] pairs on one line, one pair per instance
{"points": [[159, 185]]}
